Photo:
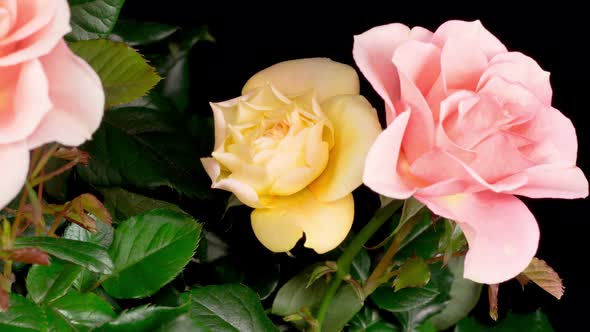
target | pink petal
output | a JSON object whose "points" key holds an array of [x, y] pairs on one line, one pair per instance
{"points": [[420, 62], [474, 31], [502, 233], [419, 136], [14, 159], [7, 17], [373, 51], [78, 99], [498, 158], [436, 166], [381, 166], [555, 136], [32, 16], [44, 40], [25, 103], [551, 181], [462, 63], [518, 68]]}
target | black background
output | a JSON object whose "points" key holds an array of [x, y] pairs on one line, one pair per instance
{"points": [[251, 36]]}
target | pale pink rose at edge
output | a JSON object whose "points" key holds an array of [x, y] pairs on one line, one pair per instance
{"points": [[47, 94], [470, 125]]}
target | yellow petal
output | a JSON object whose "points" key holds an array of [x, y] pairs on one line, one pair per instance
{"points": [[325, 224], [356, 127], [322, 75]]}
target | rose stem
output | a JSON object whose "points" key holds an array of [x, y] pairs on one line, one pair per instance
{"points": [[345, 260]]}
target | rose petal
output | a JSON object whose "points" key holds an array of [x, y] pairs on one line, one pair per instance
{"points": [[78, 98], [502, 233], [555, 135], [373, 51], [419, 135], [551, 181], [42, 42], [420, 62], [326, 77], [518, 68], [14, 159], [381, 166], [32, 15], [243, 192], [473, 31], [356, 127], [25, 103], [498, 158], [325, 224], [462, 64]]}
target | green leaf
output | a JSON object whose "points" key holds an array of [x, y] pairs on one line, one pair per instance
{"points": [[137, 33], [413, 273], [23, 316], [56, 322], [294, 294], [149, 251], [411, 207], [86, 309], [89, 255], [416, 319], [533, 322], [47, 283], [182, 324], [361, 264], [464, 296], [157, 144], [424, 245], [343, 308], [143, 319], [124, 73], [103, 237], [91, 19], [123, 204], [403, 300], [229, 308], [368, 320]]}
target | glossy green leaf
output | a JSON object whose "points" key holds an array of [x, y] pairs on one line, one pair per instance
{"points": [[143, 319], [89, 255], [403, 300], [533, 322], [294, 294], [149, 251], [345, 305], [158, 145], [102, 237], [47, 283], [464, 295], [413, 273], [369, 320], [56, 322], [229, 308], [91, 19], [136, 33], [182, 324], [23, 316], [86, 309], [123, 204], [424, 245], [417, 319], [124, 73]]}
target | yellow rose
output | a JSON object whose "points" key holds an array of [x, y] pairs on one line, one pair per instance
{"points": [[293, 147]]}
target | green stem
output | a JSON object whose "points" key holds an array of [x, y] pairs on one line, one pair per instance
{"points": [[37, 210], [345, 260]]}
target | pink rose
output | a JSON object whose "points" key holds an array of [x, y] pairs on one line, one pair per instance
{"points": [[47, 93], [470, 125]]}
